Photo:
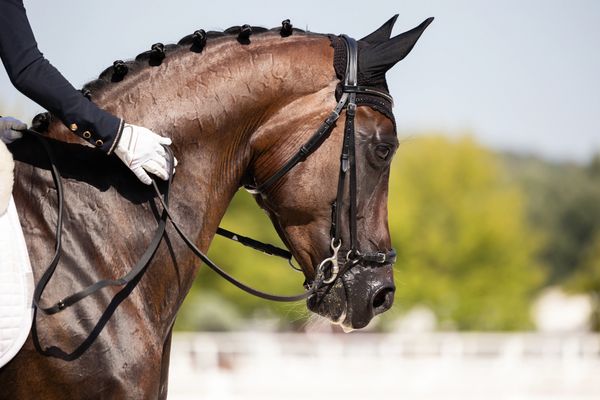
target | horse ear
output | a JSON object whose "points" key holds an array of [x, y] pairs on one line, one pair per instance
{"points": [[383, 33], [380, 57], [402, 44]]}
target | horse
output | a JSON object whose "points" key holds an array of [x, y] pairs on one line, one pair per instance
{"points": [[237, 105]]}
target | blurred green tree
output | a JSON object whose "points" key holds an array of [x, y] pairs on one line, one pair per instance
{"points": [[594, 167], [465, 250], [583, 216], [563, 202], [457, 223], [587, 280]]}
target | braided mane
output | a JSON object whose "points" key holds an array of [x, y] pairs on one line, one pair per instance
{"points": [[194, 42]]}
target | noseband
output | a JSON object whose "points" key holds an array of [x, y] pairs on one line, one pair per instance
{"points": [[328, 271], [351, 255]]}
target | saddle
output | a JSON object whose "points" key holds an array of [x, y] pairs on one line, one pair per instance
{"points": [[16, 277]]}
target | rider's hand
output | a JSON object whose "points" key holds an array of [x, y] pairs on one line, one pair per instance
{"points": [[8, 129], [143, 152]]}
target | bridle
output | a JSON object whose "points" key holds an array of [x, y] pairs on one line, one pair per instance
{"points": [[352, 255], [328, 271]]}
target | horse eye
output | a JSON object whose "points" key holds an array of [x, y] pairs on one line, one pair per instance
{"points": [[382, 151]]}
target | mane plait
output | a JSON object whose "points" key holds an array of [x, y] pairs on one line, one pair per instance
{"points": [[195, 42], [156, 54]]}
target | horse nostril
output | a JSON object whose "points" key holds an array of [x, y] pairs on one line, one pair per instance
{"points": [[383, 299]]}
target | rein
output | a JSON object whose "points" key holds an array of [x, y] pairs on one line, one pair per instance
{"points": [[327, 272], [140, 267]]}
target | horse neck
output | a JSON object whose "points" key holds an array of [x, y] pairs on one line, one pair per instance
{"points": [[212, 105]]}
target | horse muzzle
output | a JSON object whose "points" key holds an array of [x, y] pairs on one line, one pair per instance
{"points": [[356, 296]]}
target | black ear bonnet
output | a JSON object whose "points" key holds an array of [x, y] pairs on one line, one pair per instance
{"points": [[378, 52], [376, 82]]}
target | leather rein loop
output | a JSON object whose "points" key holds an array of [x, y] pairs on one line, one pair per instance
{"points": [[140, 267], [211, 264], [137, 269]]}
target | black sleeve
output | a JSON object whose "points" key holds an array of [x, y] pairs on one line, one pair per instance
{"points": [[37, 79]]}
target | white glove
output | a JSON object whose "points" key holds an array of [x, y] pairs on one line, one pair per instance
{"points": [[8, 134], [142, 151]]}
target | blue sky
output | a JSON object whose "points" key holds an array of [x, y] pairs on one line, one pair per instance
{"points": [[518, 75]]}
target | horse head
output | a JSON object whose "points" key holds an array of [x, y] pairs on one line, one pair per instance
{"points": [[336, 228], [241, 114]]}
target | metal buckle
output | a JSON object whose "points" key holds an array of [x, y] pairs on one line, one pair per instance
{"points": [[380, 257], [335, 268], [353, 255]]}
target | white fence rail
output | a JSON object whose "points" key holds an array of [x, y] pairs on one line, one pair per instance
{"points": [[369, 366]]}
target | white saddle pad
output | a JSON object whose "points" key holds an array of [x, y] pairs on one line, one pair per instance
{"points": [[16, 286]]}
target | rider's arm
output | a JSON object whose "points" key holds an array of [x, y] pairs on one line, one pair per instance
{"points": [[37, 79], [141, 149]]}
